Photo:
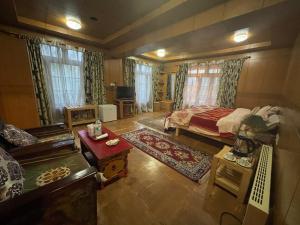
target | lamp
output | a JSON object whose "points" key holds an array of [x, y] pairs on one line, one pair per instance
{"points": [[73, 23], [241, 35], [161, 52]]}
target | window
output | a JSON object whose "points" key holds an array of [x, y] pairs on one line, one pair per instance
{"points": [[143, 87], [202, 84], [173, 79], [64, 77]]}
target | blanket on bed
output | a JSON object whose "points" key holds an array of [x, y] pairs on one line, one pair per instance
{"points": [[208, 120], [183, 117]]}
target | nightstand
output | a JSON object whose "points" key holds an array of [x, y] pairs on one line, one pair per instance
{"points": [[230, 175]]}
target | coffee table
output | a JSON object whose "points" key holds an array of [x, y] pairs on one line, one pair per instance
{"points": [[110, 160]]}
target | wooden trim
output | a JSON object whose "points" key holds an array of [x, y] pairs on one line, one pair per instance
{"points": [[234, 50], [16, 32], [57, 29], [227, 141], [164, 8]]}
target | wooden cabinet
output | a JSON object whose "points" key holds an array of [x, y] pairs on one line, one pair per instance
{"points": [[166, 106], [113, 73], [17, 98], [75, 115]]}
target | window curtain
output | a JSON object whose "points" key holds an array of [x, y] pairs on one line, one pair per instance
{"points": [[94, 78], [39, 83], [155, 81], [202, 84], [179, 85], [169, 87], [63, 66], [228, 84], [143, 88], [129, 72]]}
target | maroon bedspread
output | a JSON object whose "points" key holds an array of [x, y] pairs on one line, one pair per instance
{"points": [[208, 120]]}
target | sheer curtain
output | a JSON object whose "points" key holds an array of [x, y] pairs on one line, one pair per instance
{"points": [[64, 78], [202, 84], [143, 88]]}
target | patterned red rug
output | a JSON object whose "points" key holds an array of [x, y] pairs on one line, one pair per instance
{"points": [[191, 163]]}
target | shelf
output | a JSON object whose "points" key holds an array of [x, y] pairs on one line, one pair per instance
{"points": [[83, 121], [228, 178], [80, 108], [227, 184]]}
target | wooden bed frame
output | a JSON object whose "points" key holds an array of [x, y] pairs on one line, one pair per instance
{"points": [[227, 141]]}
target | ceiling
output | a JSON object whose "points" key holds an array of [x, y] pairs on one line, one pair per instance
{"points": [[185, 28]]}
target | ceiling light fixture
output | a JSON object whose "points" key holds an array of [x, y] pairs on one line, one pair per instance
{"points": [[161, 52], [73, 23], [241, 35]]}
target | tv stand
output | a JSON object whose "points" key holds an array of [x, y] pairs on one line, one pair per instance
{"points": [[126, 108]]}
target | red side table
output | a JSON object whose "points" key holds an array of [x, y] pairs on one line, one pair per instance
{"points": [[110, 160]]}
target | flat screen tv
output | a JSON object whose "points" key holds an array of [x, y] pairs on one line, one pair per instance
{"points": [[125, 92]]}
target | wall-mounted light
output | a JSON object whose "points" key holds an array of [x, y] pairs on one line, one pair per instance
{"points": [[161, 52], [73, 23], [241, 35]]}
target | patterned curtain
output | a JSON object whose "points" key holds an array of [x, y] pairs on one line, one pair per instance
{"points": [[129, 70], [228, 84], [155, 81], [179, 85], [38, 76], [169, 87], [94, 78]]}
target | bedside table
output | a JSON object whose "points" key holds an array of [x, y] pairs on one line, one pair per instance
{"points": [[230, 175]]}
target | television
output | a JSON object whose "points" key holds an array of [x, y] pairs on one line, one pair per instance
{"points": [[125, 92]]}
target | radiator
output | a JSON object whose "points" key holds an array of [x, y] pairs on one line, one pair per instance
{"points": [[258, 206]]}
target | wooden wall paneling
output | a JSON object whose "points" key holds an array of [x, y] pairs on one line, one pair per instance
{"points": [[17, 98], [113, 73], [286, 190]]}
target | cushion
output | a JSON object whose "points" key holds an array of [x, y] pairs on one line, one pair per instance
{"points": [[17, 136], [11, 177]]}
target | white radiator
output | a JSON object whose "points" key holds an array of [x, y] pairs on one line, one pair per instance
{"points": [[258, 206]]}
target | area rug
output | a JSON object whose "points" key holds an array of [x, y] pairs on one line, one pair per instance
{"points": [[154, 122], [191, 163]]}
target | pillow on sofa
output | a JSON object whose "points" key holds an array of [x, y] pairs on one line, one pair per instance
{"points": [[17, 136], [11, 177]]}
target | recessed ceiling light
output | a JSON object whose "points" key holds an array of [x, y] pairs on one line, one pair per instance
{"points": [[161, 52], [73, 23], [241, 35], [93, 18]]}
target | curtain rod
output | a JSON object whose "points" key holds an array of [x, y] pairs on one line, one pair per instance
{"points": [[211, 59], [49, 39]]}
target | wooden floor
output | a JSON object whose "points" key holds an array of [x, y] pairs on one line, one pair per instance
{"points": [[155, 194]]}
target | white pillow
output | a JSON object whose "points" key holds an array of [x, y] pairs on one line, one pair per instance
{"points": [[263, 112]]}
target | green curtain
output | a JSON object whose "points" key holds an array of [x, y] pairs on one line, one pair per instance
{"points": [[94, 78], [38, 76], [231, 70], [169, 87], [179, 85], [156, 69], [129, 70]]}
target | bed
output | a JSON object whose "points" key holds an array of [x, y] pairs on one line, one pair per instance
{"points": [[217, 123]]}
